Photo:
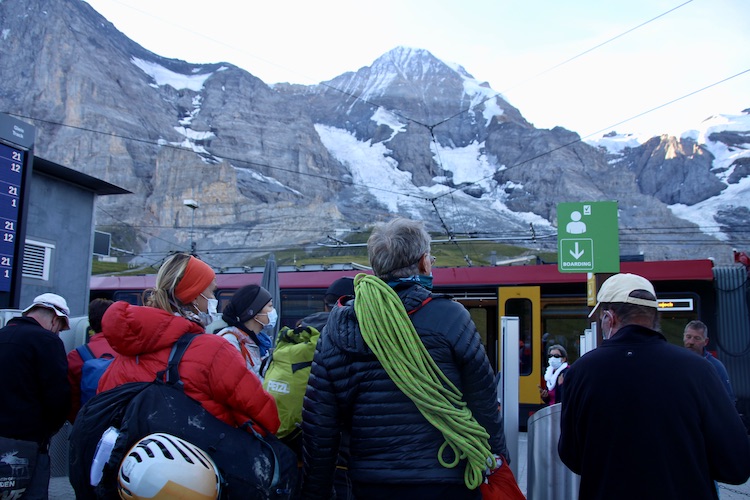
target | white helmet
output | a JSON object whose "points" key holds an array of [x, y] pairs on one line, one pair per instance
{"points": [[165, 466]]}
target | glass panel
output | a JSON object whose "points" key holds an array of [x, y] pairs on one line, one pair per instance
{"points": [[673, 325], [479, 316], [130, 297], [563, 324], [522, 309], [297, 305]]}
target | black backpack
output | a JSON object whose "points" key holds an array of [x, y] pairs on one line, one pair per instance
{"points": [[251, 466]]}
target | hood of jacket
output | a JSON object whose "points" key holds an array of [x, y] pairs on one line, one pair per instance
{"points": [[343, 326], [317, 320], [133, 330]]}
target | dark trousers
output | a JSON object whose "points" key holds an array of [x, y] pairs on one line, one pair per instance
{"points": [[379, 491], [39, 487]]}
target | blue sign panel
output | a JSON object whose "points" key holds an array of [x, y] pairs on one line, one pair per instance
{"points": [[16, 156]]}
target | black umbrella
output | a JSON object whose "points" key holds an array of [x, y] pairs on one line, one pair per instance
{"points": [[270, 282]]}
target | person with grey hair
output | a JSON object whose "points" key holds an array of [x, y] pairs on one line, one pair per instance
{"points": [[554, 376], [642, 405], [695, 338], [396, 449], [400, 250]]}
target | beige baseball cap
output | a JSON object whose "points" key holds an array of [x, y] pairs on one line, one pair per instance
{"points": [[618, 288]]}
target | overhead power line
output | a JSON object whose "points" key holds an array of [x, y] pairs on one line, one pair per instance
{"points": [[430, 127]]}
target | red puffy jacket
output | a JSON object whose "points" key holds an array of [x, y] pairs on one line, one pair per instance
{"points": [[212, 370]]}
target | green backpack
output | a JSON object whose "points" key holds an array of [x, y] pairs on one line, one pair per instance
{"points": [[287, 374]]}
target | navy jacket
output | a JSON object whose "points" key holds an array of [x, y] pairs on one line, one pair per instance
{"points": [[391, 442], [721, 371], [646, 419], [35, 395]]}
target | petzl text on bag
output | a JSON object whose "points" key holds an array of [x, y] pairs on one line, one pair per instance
{"points": [[287, 374], [17, 464]]}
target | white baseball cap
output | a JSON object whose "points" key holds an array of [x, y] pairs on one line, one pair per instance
{"points": [[618, 288], [53, 302]]}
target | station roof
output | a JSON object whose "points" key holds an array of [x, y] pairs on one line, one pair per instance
{"points": [[98, 186]]}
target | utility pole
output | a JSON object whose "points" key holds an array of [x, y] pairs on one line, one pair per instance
{"points": [[192, 205]]}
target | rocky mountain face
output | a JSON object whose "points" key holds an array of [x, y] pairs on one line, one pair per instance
{"points": [[286, 165]]}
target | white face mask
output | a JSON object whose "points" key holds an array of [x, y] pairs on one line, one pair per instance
{"points": [[212, 314], [555, 363], [211, 306], [272, 316]]}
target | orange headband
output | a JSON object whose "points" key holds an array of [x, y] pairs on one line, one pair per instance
{"points": [[198, 275]]}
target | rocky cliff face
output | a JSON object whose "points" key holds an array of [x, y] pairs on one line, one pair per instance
{"points": [[289, 164]]}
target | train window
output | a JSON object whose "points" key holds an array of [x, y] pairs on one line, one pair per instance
{"points": [[483, 311], [673, 320], [563, 324], [522, 308], [479, 317], [296, 304], [130, 297], [223, 296]]}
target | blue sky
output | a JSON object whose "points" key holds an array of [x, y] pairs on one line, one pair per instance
{"points": [[513, 45]]}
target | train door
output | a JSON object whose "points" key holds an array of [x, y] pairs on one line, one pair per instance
{"points": [[482, 307], [524, 302]]}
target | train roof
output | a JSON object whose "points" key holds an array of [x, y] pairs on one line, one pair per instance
{"points": [[674, 270]]}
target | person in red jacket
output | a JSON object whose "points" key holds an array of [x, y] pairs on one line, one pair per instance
{"points": [[212, 370], [98, 345]]}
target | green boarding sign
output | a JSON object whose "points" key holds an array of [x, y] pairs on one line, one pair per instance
{"points": [[587, 237]]}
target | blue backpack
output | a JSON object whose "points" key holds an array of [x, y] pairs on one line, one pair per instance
{"points": [[92, 370]]}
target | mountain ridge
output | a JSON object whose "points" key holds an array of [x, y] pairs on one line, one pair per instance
{"points": [[287, 164]]}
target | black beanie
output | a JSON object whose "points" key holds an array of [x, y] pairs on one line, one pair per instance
{"points": [[339, 288], [245, 304]]}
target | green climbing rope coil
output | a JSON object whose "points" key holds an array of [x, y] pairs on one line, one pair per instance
{"points": [[390, 334]]}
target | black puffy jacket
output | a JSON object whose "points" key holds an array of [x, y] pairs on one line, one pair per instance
{"points": [[391, 442]]}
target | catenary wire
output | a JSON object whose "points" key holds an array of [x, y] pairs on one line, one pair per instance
{"points": [[430, 127]]}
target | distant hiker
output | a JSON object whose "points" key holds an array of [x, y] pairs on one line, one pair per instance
{"points": [[341, 288], [98, 347], [249, 312]]}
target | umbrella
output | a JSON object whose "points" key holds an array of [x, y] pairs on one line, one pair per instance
{"points": [[270, 282]]}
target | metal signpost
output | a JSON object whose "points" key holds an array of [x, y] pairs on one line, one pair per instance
{"points": [[588, 237], [510, 328]]}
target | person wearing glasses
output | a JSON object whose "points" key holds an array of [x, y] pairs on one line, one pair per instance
{"points": [[35, 398], [643, 418], [557, 358], [396, 449]]}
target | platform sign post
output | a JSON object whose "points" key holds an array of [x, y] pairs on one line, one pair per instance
{"points": [[16, 159], [588, 237]]}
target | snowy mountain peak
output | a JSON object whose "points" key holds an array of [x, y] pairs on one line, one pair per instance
{"points": [[414, 64]]}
